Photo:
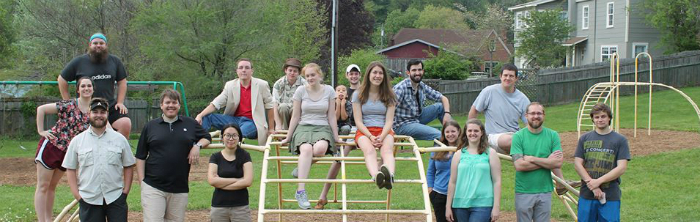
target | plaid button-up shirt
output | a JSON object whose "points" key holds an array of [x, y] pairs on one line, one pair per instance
{"points": [[407, 108]]}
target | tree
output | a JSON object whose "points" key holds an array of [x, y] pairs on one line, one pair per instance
{"points": [[397, 19], [7, 32], [436, 17], [447, 66], [540, 40], [495, 17], [678, 21], [51, 33]]}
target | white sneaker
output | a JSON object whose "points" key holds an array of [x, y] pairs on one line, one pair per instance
{"points": [[295, 173], [302, 200]]}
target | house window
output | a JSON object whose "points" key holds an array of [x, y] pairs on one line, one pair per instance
{"points": [[526, 14], [607, 51], [518, 20], [610, 15], [639, 48], [584, 17]]}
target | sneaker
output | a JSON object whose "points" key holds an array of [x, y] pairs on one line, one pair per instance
{"points": [[321, 204], [388, 177], [302, 200], [379, 179], [295, 173]]}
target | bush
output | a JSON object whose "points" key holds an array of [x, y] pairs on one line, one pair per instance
{"points": [[447, 66]]}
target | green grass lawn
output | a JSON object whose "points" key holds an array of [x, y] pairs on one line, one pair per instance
{"points": [[656, 187]]}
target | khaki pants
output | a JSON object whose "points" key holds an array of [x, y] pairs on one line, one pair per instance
{"points": [[159, 206], [234, 214], [285, 114]]}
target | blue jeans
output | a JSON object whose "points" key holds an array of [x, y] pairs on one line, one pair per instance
{"points": [[592, 210], [218, 121], [420, 131], [472, 214]]}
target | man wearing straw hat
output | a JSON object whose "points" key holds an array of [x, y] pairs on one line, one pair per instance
{"points": [[283, 91], [601, 158], [99, 168], [104, 69]]}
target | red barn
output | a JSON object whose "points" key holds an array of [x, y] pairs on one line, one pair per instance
{"points": [[411, 43]]}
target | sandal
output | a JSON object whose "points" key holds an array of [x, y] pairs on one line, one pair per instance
{"points": [[320, 204]]}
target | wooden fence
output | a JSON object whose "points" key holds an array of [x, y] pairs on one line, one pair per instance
{"points": [[566, 85]]}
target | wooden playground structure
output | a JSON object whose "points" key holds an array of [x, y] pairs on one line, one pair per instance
{"points": [[603, 92], [609, 93]]}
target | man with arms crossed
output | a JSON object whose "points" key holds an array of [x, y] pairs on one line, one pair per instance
{"points": [[536, 152], [103, 160], [104, 69], [503, 105], [600, 159]]}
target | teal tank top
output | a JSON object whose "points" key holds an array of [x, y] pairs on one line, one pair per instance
{"points": [[474, 186]]}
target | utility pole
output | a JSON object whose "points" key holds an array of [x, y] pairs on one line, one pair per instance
{"points": [[334, 44]]}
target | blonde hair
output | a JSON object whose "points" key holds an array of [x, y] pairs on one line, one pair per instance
{"points": [[314, 66]]}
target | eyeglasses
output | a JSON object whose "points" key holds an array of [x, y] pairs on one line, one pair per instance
{"points": [[230, 136], [535, 114]]}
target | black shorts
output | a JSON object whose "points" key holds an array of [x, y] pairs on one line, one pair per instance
{"points": [[114, 114]]}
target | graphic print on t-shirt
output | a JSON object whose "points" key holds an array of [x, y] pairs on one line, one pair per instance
{"points": [[599, 160]]}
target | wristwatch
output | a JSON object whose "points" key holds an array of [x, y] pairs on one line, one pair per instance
{"points": [[199, 145]]}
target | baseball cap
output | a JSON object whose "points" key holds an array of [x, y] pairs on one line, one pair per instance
{"points": [[98, 103], [351, 67]]}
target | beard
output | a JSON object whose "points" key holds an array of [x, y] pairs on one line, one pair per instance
{"points": [[98, 56], [416, 78], [534, 125], [98, 122]]}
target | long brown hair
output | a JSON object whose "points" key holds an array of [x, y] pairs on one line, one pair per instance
{"points": [[483, 141], [442, 155], [386, 93]]}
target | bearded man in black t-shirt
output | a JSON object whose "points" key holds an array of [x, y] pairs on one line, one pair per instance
{"points": [[104, 69]]}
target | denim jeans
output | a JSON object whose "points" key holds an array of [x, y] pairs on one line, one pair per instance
{"points": [[420, 131], [218, 121], [472, 214]]}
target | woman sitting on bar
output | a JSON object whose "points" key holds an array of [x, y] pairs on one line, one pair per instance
{"points": [[313, 128], [373, 106]]}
